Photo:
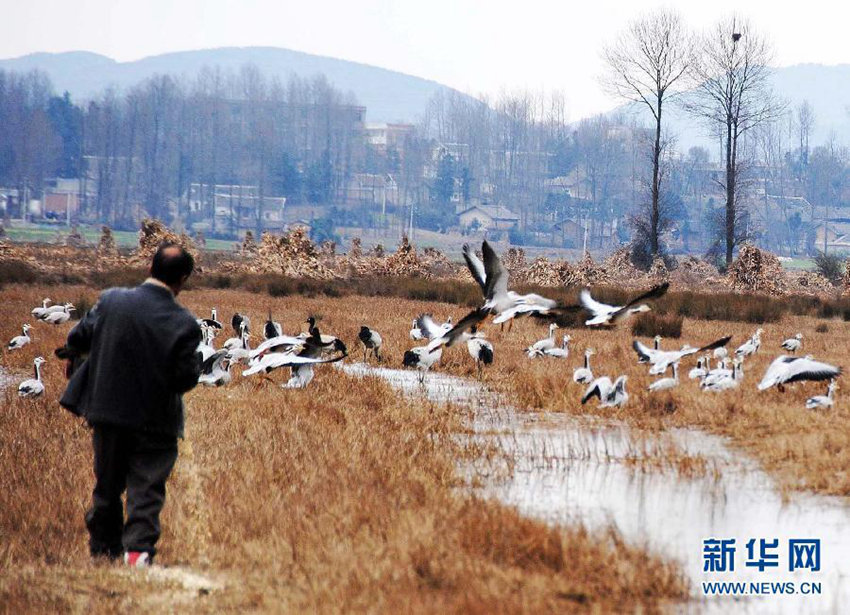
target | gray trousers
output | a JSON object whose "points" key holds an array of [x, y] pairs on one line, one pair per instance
{"points": [[139, 462]]}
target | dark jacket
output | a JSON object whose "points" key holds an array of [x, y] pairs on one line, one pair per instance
{"points": [[142, 357]]}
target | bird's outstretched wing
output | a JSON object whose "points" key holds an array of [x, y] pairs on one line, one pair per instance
{"points": [[652, 293], [476, 267], [463, 325], [716, 344], [496, 279]]}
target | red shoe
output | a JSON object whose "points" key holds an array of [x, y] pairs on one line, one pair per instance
{"points": [[137, 559]]}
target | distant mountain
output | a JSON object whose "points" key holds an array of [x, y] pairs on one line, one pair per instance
{"points": [[388, 96], [827, 88]]}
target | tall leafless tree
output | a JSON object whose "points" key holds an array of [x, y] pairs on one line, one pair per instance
{"points": [[647, 65], [733, 95]]}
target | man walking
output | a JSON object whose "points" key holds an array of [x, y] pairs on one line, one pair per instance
{"points": [[141, 358]]}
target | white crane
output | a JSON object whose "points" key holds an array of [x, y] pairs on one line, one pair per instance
{"points": [[215, 371], [584, 375], [751, 346], [479, 349], [39, 312], [823, 401], [272, 328], [604, 314], [785, 369], [371, 340], [609, 394], [20, 341], [793, 344], [560, 353], [663, 384], [505, 304], [33, 387], [58, 318], [538, 348]]}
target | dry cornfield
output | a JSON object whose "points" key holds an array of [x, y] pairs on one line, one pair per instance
{"points": [[342, 497]]}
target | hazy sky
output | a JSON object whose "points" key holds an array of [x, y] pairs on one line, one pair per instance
{"points": [[474, 46]]}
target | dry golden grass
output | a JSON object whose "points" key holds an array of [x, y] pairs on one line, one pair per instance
{"points": [[341, 497]]}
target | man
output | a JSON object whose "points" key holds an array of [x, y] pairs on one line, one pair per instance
{"points": [[141, 358]]}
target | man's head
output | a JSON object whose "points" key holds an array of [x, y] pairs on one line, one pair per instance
{"points": [[172, 265]]}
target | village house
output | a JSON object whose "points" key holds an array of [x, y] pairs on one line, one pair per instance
{"points": [[487, 217]]}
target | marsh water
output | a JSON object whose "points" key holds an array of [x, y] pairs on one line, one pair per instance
{"points": [[667, 492]]}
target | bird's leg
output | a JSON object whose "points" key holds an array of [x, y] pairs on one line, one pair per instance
{"points": [[364, 353], [421, 378], [510, 325], [781, 388], [478, 364]]}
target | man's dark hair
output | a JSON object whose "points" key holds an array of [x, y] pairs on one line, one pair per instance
{"points": [[171, 263]]}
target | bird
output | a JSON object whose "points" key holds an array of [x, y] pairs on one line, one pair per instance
{"points": [[212, 321], [300, 360], [238, 320], [561, 353], [479, 349], [583, 375], [422, 358], [242, 352], [33, 387], [785, 369], [51, 310], [21, 340], [206, 348], [751, 346], [724, 379], [663, 359], [823, 401], [215, 371], [239, 341], [793, 344], [415, 333], [646, 354], [721, 353], [327, 341], [610, 395], [271, 328], [371, 340], [700, 371], [736, 36], [604, 314], [58, 318], [39, 312], [541, 346], [504, 304], [663, 384]]}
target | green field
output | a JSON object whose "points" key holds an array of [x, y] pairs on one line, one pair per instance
{"points": [[44, 233]]}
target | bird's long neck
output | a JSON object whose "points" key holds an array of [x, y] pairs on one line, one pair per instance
{"points": [[586, 361], [675, 371], [830, 392], [37, 368], [551, 333]]}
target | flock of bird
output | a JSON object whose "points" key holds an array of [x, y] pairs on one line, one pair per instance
{"points": [[302, 351]]}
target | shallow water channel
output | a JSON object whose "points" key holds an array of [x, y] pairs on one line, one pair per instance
{"points": [[572, 470]]}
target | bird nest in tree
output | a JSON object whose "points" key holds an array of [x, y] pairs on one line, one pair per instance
{"points": [[756, 271]]}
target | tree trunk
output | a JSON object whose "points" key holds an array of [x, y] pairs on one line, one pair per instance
{"points": [[730, 195], [655, 214]]}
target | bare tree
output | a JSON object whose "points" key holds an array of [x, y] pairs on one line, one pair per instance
{"points": [[647, 65], [805, 123], [733, 95]]}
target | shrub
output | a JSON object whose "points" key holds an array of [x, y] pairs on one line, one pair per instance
{"points": [[821, 328], [17, 272], [830, 266], [652, 324]]}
